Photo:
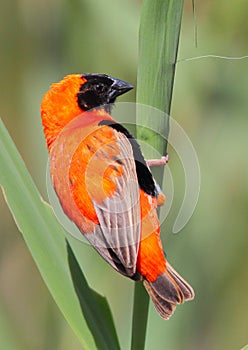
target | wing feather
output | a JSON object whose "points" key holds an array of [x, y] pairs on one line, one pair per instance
{"points": [[119, 214], [94, 175]]}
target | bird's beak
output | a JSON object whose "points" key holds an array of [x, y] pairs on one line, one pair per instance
{"points": [[119, 87]]}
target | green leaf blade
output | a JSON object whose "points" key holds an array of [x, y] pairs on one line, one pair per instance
{"points": [[140, 312], [158, 45], [99, 322], [46, 241]]}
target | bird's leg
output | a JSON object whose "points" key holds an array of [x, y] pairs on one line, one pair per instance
{"points": [[158, 162]]}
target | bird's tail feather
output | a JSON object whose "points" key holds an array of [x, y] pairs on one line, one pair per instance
{"points": [[168, 290]]}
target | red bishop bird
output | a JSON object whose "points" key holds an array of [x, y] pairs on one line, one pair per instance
{"points": [[105, 185]]}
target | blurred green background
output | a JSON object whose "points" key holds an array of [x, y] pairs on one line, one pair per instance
{"points": [[40, 42]]}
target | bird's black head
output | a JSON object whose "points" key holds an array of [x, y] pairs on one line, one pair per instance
{"points": [[100, 90]]}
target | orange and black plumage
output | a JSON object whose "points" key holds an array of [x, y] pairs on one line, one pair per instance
{"points": [[104, 185]]}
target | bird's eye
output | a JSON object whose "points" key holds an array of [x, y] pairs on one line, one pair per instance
{"points": [[93, 94], [89, 99], [102, 89]]}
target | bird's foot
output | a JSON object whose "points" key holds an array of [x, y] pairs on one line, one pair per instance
{"points": [[158, 162]]}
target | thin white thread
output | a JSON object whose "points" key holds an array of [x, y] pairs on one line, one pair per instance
{"points": [[212, 56]]}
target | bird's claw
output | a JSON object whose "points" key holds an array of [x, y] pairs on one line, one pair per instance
{"points": [[158, 162]]}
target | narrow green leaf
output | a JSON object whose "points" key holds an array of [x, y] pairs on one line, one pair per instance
{"points": [[159, 37], [94, 306], [158, 44], [141, 305], [46, 241]]}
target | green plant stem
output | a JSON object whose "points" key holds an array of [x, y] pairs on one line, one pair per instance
{"points": [[158, 45], [140, 312]]}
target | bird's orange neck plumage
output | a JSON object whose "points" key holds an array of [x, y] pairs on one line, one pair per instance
{"points": [[59, 106]]}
